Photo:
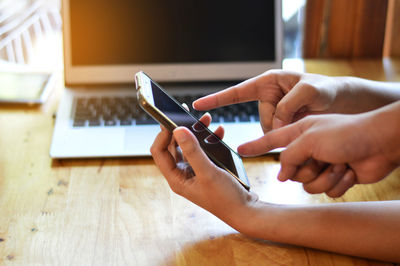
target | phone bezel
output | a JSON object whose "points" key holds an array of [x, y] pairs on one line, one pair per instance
{"points": [[146, 101]]}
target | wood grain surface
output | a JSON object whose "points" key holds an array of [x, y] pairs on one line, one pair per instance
{"points": [[122, 212], [392, 28], [344, 29]]}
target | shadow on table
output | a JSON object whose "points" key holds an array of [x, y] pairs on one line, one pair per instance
{"points": [[83, 162], [237, 249]]}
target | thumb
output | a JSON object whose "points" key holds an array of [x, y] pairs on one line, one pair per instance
{"points": [[294, 101], [191, 150]]}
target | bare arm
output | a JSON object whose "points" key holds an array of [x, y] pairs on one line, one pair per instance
{"points": [[369, 229], [356, 95], [370, 149], [365, 229]]}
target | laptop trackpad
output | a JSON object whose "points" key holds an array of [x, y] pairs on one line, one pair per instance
{"points": [[140, 138]]}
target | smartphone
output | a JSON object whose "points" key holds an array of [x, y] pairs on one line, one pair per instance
{"points": [[171, 114]]}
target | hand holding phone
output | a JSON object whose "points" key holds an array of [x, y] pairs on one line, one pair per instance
{"points": [[171, 114]]}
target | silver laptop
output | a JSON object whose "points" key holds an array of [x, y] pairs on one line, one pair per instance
{"points": [[191, 48]]}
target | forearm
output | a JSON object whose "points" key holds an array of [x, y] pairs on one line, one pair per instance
{"points": [[370, 229], [356, 95]]}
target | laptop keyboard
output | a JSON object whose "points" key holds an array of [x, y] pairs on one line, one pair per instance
{"points": [[125, 111]]}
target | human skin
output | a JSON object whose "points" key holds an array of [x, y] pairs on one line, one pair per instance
{"points": [[358, 149], [285, 97], [370, 150], [367, 230]]}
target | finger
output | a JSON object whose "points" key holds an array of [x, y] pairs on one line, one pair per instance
{"points": [[245, 91], [296, 99], [271, 140], [206, 119], [326, 180], [242, 92], [294, 156], [308, 172], [159, 150], [175, 151], [179, 156], [348, 180], [264, 86], [212, 138], [216, 137], [266, 112], [220, 132], [192, 151]]}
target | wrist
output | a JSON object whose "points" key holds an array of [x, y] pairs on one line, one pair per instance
{"points": [[259, 220], [385, 126], [357, 95], [351, 96], [241, 215]]}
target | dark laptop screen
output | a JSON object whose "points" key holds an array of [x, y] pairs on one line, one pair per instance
{"points": [[105, 32]]}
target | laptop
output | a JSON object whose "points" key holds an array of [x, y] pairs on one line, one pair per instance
{"points": [[192, 48]]}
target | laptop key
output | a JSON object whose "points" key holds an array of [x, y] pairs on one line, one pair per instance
{"points": [[243, 117], [126, 122], [81, 102], [79, 123], [94, 123], [215, 117], [229, 118], [109, 123], [107, 117], [82, 111]]}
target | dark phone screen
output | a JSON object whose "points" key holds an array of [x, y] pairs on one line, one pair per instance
{"points": [[215, 149]]}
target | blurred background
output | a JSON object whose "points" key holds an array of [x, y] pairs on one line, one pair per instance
{"points": [[30, 33], [30, 30]]}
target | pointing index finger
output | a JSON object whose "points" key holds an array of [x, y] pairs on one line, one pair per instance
{"points": [[277, 138], [242, 92]]}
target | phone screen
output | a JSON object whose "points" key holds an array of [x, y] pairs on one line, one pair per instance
{"points": [[216, 150]]}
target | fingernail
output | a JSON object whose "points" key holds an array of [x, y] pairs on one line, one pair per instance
{"points": [[198, 126], [186, 107], [194, 103], [277, 123], [281, 177], [242, 150]]}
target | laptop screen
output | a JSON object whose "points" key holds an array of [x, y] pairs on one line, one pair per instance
{"points": [[174, 36], [107, 32]]}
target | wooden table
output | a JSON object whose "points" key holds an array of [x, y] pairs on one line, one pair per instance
{"points": [[122, 212]]}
